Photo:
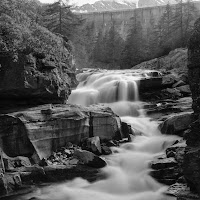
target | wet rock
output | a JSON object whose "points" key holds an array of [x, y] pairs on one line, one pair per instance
{"points": [[9, 182], [150, 83], [126, 130], [181, 192], [163, 163], [177, 123], [35, 134], [178, 152], [106, 150], [89, 159], [93, 144], [166, 170], [166, 176]]}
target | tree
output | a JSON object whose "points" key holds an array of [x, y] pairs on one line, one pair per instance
{"points": [[133, 52], [153, 38], [165, 28], [58, 18]]}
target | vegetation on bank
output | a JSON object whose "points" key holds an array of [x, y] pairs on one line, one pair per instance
{"points": [[22, 28], [110, 49]]}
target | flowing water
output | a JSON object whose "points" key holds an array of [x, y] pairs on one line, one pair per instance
{"points": [[127, 173]]}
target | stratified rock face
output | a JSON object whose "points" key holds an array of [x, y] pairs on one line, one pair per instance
{"points": [[39, 131], [192, 153], [36, 78]]}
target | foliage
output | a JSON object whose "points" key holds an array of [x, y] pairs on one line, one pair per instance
{"points": [[58, 18], [19, 32], [108, 46]]}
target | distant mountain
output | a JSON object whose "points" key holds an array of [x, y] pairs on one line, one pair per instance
{"points": [[150, 3], [105, 5], [112, 5]]}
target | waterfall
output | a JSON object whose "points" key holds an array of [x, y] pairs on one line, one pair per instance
{"points": [[127, 172]]}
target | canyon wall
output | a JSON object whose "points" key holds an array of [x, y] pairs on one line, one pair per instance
{"points": [[103, 20]]}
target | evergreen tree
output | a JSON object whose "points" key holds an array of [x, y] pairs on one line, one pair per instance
{"points": [[153, 36], [165, 29], [133, 52], [58, 18]]}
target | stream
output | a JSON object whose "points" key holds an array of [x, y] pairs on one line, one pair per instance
{"points": [[127, 172]]}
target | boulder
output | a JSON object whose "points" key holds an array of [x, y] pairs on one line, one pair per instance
{"points": [[184, 89], [89, 159], [35, 133], [93, 144], [177, 123], [106, 150]]}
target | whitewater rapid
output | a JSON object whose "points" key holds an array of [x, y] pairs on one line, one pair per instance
{"points": [[127, 172]]}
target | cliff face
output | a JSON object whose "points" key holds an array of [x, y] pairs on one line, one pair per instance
{"points": [[36, 66], [34, 78], [192, 153]]}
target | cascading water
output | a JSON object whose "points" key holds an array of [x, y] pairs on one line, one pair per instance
{"points": [[127, 173]]}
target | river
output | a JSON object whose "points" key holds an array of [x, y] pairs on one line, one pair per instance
{"points": [[127, 172]]}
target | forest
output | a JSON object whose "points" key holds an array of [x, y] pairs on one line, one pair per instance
{"points": [[108, 49]]}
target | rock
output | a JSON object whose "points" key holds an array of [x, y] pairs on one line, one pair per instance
{"points": [[163, 163], [184, 78], [126, 130], [185, 89], [173, 92], [106, 150], [166, 170], [89, 159], [166, 176], [9, 182], [178, 84], [181, 192], [35, 134], [12, 163], [191, 166], [93, 145], [25, 80], [150, 83], [177, 123], [178, 152], [43, 163], [169, 80]]}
